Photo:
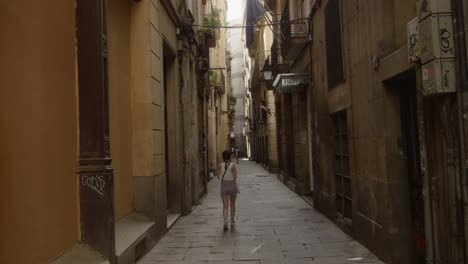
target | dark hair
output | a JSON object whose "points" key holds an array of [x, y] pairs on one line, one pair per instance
{"points": [[226, 157]]}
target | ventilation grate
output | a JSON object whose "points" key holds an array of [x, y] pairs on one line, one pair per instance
{"points": [[140, 249]]}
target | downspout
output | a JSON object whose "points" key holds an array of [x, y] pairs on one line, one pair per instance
{"points": [[460, 25], [205, 130], [465, 164], [431, 239]]}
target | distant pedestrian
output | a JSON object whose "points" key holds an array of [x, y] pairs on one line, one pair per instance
{"points": [[237, 154], [227, 173]]}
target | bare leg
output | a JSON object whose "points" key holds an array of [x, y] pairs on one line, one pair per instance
{"points": [[225, 207], [233, 206]]}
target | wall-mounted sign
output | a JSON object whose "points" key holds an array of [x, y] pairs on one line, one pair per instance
{"points": [[290, 82]]}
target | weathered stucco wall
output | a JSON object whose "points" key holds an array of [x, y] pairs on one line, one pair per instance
{"points": [[38, 117]]}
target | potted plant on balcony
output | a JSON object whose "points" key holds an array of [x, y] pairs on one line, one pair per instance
{"points": [[231, 116], [214, 80], [211, 30], [232, 100]]}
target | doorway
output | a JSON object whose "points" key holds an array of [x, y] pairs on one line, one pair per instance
{"points": [[173, 181], [402, 102], [410, 140], [288, 126]]}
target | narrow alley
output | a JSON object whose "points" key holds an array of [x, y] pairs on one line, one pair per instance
{"points": [[349, 117], [273, 225]]}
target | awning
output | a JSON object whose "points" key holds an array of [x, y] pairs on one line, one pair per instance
{"points": [[290, 82]]}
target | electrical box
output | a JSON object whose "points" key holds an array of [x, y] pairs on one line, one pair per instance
{"points": [[436, 38], [431, 41], [438, 76], [413, 40]]}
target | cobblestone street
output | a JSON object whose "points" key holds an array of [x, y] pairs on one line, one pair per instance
{"points": [[274, 225]]}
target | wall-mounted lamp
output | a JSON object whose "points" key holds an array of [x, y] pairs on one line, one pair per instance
{"points": [[267, 71], [180, 45]]}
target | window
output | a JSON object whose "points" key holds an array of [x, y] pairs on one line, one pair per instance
{"points": [[343, 191], [334, 48]]}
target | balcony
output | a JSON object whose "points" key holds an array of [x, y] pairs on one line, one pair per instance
{"points": [[212, 33], [295, 35], [276, 60], [218, 81], [203, 60]]}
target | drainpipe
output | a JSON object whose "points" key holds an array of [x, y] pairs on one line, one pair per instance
{"points": [[460, 8], [429, 225], [464, 63]]}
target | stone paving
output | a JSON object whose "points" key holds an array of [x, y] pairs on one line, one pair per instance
{"points": [[274, 226]]}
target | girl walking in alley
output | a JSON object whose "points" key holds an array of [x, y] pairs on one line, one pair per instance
{"points": [[227, 173]]}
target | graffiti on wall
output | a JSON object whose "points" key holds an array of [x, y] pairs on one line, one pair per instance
{"points": [[96, 183]]}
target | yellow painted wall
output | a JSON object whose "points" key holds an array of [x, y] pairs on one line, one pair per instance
{"points": [[120, 104], [144, 163], [38, 128], [156, 96]]}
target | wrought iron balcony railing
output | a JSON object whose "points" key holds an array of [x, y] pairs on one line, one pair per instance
{"points": [[295, 35]]}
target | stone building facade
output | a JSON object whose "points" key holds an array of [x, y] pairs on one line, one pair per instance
{"points": [[236, 50], [263, 133], [219, 111], [112, 99], [368, 125], [290, 62]]}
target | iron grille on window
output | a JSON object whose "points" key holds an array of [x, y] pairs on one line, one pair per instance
{"points": [[343, 191], [333, 35], [201, 142]]}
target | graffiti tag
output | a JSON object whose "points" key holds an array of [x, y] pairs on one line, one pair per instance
{"points": [[445, 44], [96, 183], [446, 79]]}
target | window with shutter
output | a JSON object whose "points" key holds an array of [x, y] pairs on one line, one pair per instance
{"points": [[334, 44]]}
